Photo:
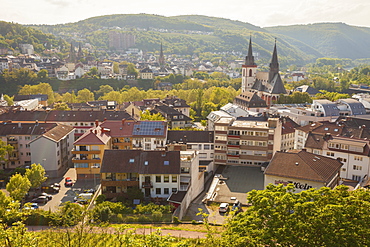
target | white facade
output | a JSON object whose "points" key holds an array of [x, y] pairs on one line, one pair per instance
{"points": [[163, 184], [54, 156]]}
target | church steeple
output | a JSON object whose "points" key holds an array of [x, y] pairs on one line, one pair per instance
{"points": [[249, 59], [161, 57], [274, 65]]}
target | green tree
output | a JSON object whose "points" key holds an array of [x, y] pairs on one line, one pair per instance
{"points": [[42, 74], [69, 97], [18, 186], [4, 150], [103, 89], [61, 106], [315, 217], [36, 175], [146, 115], [9, 99], [41, 88], [85, 95]]}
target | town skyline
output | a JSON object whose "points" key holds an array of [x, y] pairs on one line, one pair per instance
{"points": [[286, 12]]}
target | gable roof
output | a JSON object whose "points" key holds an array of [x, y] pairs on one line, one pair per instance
{"points": [[118, 161], [7, 129], [303, 165], [95, 136], [58, 132]]}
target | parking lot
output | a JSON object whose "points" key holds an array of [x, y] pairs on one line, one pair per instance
{"points": [[67, 193]]}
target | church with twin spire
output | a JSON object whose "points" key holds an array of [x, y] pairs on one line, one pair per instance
{"points": [[267, 85]]}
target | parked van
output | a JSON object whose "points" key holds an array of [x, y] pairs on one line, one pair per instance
{"points": [[83, 197]]}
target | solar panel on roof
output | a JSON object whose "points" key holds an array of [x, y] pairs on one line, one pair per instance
{"points": [[149, 128]]}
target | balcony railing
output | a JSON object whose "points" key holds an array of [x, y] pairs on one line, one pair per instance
{"points": [[147, 185]]}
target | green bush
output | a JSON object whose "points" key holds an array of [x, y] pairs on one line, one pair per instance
{"points": [[157, 216], [100, 198], [176, 220], [143, 218]]}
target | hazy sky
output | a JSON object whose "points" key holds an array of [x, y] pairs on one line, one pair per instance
{"points": [[257, 12]]}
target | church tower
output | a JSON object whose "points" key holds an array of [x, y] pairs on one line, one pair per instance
{"points": [[249, 70], [274, 65], [161, 57]]}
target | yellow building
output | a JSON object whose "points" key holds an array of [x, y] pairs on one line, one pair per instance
{"points": [[88, 152]]}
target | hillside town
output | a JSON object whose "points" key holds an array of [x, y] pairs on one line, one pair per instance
{"points": [[106, 147]]}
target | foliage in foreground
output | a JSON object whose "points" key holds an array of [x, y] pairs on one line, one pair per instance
{"points": [[322, 217]]}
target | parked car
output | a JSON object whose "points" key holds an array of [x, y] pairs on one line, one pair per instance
{"points": [[68, 182], [34, 206], [40, 199], [224, 207], [49, 197], [83, 198], [237, 207], [50, 189]]}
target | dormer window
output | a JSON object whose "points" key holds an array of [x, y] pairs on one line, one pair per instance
{"points": [[131, 161]]}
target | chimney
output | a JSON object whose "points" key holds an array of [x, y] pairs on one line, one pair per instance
{"points": [[96, 123], [37, 122], [132, 112], [19, 125], [363, 126], [105, 119], [96, 131], [123, 121]]}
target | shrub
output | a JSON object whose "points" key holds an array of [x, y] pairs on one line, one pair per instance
{"points": [[143, 218], [100, 198], [176, 220], [157, 216]]}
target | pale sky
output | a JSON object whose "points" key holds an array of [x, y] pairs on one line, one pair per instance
{"points": [[261, 13]]}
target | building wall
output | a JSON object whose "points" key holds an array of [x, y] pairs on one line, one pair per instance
{"points": [[48, 156], [159, 187], [300, 184]]}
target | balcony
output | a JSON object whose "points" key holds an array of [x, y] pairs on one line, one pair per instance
{"points": [[120, 183], [86, 160], [146, 185], [233, 155], [233, 136], [12, 140], [13, 158], [85, 152], [234, 145]]}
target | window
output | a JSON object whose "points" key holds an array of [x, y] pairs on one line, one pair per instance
{"points": [[166, 162], [27, 145], [158, 179], [174, 190], [166, 179], [207, 146], [185, 169], [356, 177], [356, 167], [58, 153], [158, 191], [27, 138], [131, 161], [166, 191], [330, 154], [358, 158], [28, 154], [146, 163], [342, 159], [21, 145], [174, 179]]}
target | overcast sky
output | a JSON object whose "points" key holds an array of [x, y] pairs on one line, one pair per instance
{"points": [[261, 13]]}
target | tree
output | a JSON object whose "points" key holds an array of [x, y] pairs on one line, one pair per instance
{"points": [[42, 74], [85, 95], [315, 217], [9, 99], [61, 106], [69, 97], [4, 150], [41, 88], [103, 89], [146, 115], [18, 186], [36, 175]]}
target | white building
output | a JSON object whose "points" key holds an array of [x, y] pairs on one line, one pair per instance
{"points": [[53, 150]]}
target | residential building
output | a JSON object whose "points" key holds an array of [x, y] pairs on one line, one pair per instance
{"points": [[246, 140], [352, 152], [174, 118], [303, 169], [19, 135], [201, 141], [80, 120], [288, 134], [89, 151], [250, 101], [156, 173], [52, 150], [146, 74]]}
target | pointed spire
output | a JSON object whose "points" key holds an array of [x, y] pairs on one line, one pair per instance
{"points": [[249, 59], [274, 65]]}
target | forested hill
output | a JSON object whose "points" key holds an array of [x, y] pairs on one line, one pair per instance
{"points": [[12, 34], [189, 34], [330, 39]]}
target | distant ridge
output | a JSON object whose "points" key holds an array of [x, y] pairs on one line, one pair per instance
{"points": [[189, 34]]}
